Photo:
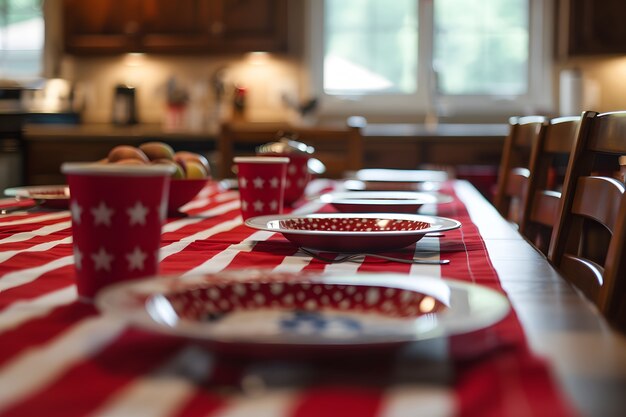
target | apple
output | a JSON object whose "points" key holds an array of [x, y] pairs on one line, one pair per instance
{"points": [[179, 174], [157, 150], [195, 170], [187, 157], [130, 161], [127, 152]]}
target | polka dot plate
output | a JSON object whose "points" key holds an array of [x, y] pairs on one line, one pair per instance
{"points": [[253, 309], [353, 232], [57, 196]]}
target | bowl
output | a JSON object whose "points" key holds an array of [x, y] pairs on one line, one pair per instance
{"points": [[183, 191]]}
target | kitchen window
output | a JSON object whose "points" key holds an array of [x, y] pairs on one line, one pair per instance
{"points": [[442, 57], [21, 39]]}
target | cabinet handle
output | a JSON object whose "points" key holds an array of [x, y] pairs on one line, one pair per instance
{"points": [[217, 28], [131, 27]]}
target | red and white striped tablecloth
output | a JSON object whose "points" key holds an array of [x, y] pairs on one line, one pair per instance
{"points": [[59, 357]]}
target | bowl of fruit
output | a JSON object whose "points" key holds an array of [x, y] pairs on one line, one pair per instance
{"points": [[191, 175]]}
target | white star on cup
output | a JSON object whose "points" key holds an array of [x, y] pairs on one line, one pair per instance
{"points": [[274, 182], [258, 205], [273, 205], [244, 205], [76, 210], [243, 182], [292, 169], [102, 214], [136, 259], [138, 214], [102, 260], [258, 182], [78, 258]]}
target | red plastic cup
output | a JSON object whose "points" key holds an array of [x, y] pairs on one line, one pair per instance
{"points": [[261, 184], [117, 215]]}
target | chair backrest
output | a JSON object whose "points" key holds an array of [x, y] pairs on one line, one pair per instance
{"points": [[339, 147], [547, 165], [588, 240], [514, 173]]}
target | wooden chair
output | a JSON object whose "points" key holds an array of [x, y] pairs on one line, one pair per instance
{"points": [[340, 148], [548, 160], [514, 173], [588, 241]]}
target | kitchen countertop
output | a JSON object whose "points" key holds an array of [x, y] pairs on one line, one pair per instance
{"points": [[439, 130], [105, 130], [374, 130]]}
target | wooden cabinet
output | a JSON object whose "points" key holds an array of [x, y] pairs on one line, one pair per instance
{"points": [[166, 26], [594, 27], [100, 25], [250, 25]]}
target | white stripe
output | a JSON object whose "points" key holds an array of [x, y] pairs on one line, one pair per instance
{"points": [[227, 195], [42, 247], [344, 267], [205, 200], [176, 247], [24, 276], [411, 401], [293, 263], [427, 248], [277, 403], [44, 231], [37, 219], [23, 311], [163, 392], [215, 211], [225, 257], [37, 367]]}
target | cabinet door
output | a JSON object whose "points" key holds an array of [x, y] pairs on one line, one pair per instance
{"points": [[175, 26], [97, 26], [250, 25], [597, 27]]}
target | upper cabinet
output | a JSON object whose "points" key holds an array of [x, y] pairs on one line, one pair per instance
{"points": [[594, 27], [166, 26]]}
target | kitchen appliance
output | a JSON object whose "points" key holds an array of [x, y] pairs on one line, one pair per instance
{"points": [[124, 105]]}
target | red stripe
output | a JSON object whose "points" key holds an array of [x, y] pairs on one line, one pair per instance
{"points": [[339, 401]]}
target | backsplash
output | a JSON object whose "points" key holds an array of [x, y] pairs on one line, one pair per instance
{"points": [[266, 79]]}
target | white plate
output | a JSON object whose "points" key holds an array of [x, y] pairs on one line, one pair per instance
{"points": [[353, 232], [400, 175], [380, 179], [382, 201], [250, 309]]}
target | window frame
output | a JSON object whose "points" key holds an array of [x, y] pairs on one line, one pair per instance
{"points": [[425, 100]]}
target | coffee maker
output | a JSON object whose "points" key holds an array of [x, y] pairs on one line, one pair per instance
{"points": [[124, 105]]}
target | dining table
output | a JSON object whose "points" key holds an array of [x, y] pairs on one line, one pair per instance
{"points": [[552, 354]]}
